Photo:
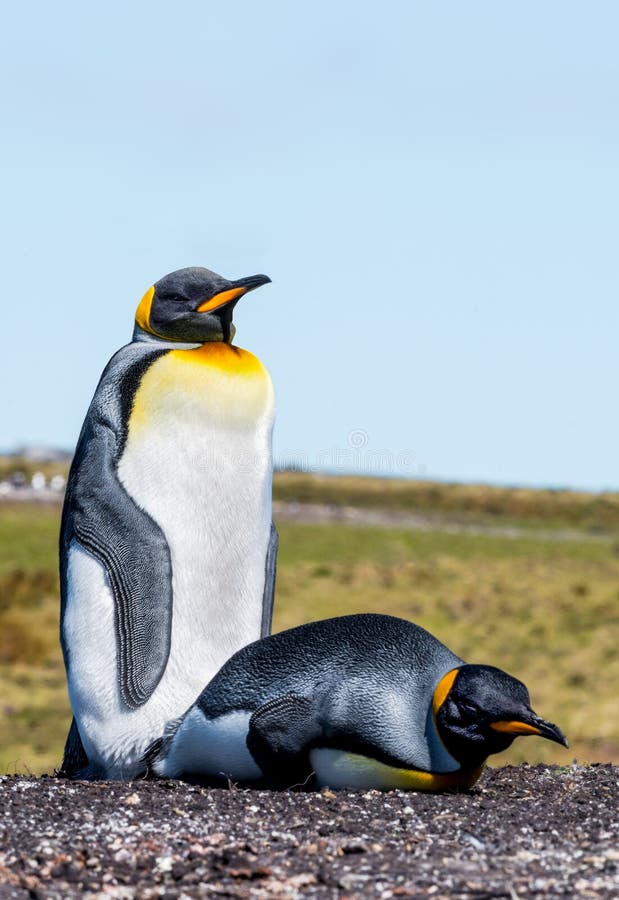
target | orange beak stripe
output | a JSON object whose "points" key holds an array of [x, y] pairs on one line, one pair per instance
{"points": [[514, 727], [221, 299]]}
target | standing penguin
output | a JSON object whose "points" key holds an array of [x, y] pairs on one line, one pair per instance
{"points": [[363, 701], [167, 548]]}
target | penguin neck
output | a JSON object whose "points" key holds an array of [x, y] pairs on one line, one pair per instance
{"points": [[469, 755], [468, 752], [143, 337]]}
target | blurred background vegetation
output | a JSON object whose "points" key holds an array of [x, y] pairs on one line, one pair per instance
{"points": [[526, 580]]}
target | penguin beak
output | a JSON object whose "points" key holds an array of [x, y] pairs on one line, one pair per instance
{"points": [[239, 287], [530, 723], [254, 281]]}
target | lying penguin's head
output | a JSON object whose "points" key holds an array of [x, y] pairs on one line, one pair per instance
{"points": [[479, 710], [192, 305]]}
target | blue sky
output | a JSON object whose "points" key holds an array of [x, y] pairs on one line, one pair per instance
{"points": [[433, 189]]}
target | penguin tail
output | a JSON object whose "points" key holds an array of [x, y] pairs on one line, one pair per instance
{"points": [[74, 760]]}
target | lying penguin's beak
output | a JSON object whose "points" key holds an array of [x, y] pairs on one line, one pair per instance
{"points": [[239, 287], [530, 723]]}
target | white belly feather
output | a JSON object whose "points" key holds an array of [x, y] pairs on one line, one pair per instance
{"points": [[198, 460], [215, 747]]}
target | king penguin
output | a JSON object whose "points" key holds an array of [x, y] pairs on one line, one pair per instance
{"points": [[356, 702], [167, 548]]}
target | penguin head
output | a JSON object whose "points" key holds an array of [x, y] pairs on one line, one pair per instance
{"points": [[192, 305], [480, 710]]}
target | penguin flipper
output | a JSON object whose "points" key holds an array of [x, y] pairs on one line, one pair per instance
{"points": [[280, 733], [106, 522], [269, 582], [101, 516]]}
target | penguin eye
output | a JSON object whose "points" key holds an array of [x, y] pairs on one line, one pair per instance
{"points": [[468, 708]]}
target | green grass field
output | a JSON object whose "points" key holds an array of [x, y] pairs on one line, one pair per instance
{"points": [[542, 607]]}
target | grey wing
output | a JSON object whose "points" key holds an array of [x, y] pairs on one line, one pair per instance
{"points": [[269, 582], [279, 737], [101, 516]]}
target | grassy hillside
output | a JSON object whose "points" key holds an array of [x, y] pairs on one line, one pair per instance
{"points": [[544, 609], [465, 503]]}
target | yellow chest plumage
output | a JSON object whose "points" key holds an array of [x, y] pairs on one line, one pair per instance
{"points": [[340, 769], [218, 381]]}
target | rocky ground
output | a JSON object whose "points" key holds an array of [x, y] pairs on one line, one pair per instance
{"points": [[523, 832]]}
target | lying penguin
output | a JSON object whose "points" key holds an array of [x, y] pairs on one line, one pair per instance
{"points": [[356, 702]]}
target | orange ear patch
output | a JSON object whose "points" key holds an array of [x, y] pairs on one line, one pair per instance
{"points": [[142, 313], [442, 690]]}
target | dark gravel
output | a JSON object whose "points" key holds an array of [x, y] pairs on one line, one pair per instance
{"points": [[523, 832]]}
